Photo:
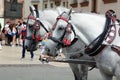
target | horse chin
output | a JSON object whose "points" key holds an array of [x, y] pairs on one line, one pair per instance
{"points": [[53, 54], [50, 48]]}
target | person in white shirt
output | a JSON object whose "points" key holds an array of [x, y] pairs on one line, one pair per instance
{"points": [[5, 31]]}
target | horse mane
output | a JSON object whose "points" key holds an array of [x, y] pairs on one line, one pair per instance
{"points": [[90, 18], [89, 21]]}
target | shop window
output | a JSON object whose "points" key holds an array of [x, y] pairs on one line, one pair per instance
{"points": [[67, 4], [74, 4], [36, 6], [13, 5], [64, 4], [57, 2], [109, 1], [45, 5], [84, 3], [51, 5]]}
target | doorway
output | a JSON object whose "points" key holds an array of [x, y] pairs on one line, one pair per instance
{"points": [[94, 6]]}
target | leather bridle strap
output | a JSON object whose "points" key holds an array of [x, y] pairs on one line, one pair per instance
{"points": [[43, 26]]}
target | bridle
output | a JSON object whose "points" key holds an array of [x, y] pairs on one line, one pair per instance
{"points": [[35, 27], [63, 41]]}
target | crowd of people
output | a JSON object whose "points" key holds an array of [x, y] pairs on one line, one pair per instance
{"points": [[12, 33]]}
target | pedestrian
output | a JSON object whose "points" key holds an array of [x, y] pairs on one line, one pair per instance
{"points": [[5, 31], [14, 31], [43, 58], [9, 34], [23, 37], [18, 29], [0, 37]]}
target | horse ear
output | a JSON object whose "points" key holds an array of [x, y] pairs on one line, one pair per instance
{"points": [[60, 10], [70, 11], [32, 10]]}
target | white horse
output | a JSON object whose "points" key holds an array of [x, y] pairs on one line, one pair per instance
{"points": [[38, 24], [48, 18], [94, 33]]}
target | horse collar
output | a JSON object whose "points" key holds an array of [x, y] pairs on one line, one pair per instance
{"points": [[96, 45]]}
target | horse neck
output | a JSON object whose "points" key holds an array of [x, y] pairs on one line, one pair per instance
{"points": [[88, 26], [47, 18]]}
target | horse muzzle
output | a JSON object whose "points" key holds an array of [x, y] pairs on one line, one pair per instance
{"points": [[51, 52]]}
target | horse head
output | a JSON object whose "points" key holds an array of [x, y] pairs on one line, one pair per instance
{"points": [[62, 34], [33, 28], [39, 23]]}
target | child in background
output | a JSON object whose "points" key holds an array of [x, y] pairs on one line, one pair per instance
{"points": [[43, 57]]}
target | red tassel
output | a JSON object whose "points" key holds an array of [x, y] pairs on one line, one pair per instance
{"points": [[66, 42], [38, 38], [33, 37]]}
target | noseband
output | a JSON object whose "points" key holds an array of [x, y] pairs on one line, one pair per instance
{"points": [[63, 41], [36, 27]]}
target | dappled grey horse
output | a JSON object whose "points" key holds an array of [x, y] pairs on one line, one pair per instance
{"points": [[39, 23], [99, 34]]}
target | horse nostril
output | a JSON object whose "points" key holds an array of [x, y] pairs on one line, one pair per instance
{"points": [[47, 49], [56, 54]]}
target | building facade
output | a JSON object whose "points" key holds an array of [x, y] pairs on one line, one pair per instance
{"points": [[13, 9], [97, 6], [9, 11]]}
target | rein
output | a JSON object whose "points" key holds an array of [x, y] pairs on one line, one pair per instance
{"points": [[36, 27], [64, 41]]}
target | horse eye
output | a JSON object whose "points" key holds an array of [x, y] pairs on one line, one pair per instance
{"points": [[61, 28]]}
